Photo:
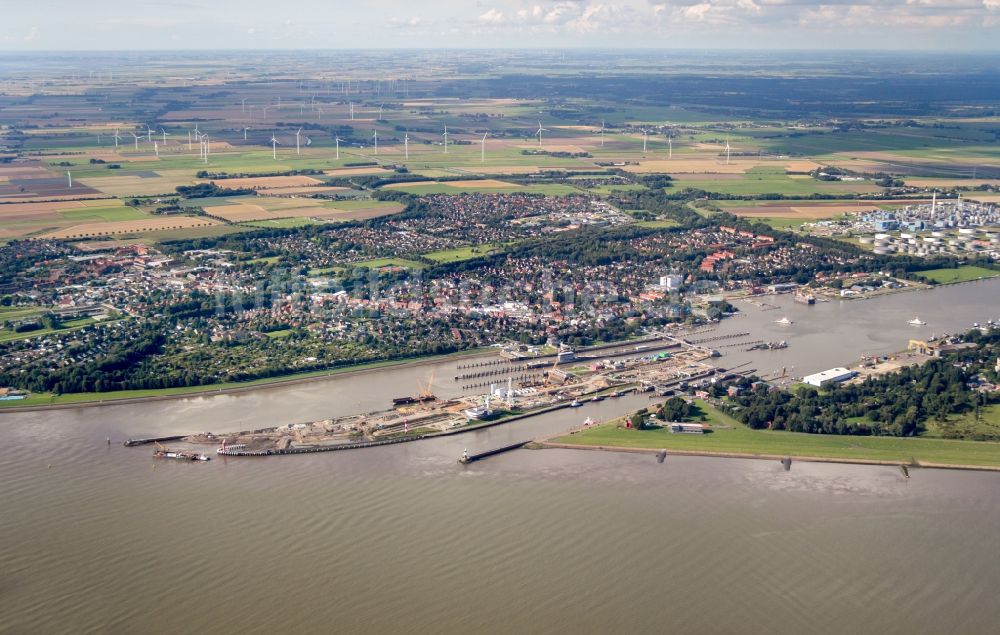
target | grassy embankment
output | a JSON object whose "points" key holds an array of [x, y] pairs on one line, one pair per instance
{"points": [[48, 399], [731, 436], [965, 273]]}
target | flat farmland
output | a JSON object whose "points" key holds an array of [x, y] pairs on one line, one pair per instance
{"points": [[262, 182], [774, 180], [19, 220], [130, 227], [318, 189], [479, 184]]}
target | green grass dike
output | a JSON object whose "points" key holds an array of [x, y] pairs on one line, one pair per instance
{"points": [[730, 437], [36, 400]]}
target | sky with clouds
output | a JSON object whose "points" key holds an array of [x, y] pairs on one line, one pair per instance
{"points": [[289, 24]]}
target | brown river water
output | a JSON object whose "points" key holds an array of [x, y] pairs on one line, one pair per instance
{"points": [[98, 539]]}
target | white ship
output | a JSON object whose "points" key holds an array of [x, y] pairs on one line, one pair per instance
{"points": [[784, 321], [917, 322]]}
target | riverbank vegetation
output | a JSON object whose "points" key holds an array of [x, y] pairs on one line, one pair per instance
{"points": [[729, 436]]}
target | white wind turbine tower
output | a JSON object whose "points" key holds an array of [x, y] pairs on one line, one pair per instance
{"points": [[165, 135], [482, 148], [445, 135], [274, 148], [380, 111], [352, 111], [670, 146], [69, 178], [727, 150], [602, 133], [156, 148], [645, 135], [297, 133], [539, 133], [376, 141], [336, 140], [136, 137], [406, 145], [245, 133], [149, 134], [243, 105], [116, 138]]}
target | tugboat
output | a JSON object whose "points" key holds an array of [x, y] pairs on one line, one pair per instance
{"points": [[916, 322], [576, 403]]}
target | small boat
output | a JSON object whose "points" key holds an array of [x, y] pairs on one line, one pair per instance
{"points": [[784, 321], [576, 403], [598, 398], [916, 322], [588, 421]]}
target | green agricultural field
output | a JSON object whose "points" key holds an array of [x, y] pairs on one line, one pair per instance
{"points": [[281, 223], [961, 274], [378, 263], [191, 232], [772, 180], [462, 253], [553, 189], [658, 224], [731, 436]]}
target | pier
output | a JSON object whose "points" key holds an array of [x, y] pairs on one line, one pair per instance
{"points": [[472, 458]]}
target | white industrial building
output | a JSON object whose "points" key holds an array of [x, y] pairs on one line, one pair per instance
{"points": [[832, 376]]}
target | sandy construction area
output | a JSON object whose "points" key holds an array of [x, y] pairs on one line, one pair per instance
{"points": [[130, 227], [256, 182]]}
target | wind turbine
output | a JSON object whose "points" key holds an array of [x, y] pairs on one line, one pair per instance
{"points": [[539, 133], [165, 135], [137, 137], [336, 140], [297, 133], [727, 150], [352, 111], [309, 142], [380, 111], [156, 148], [274, 148], [376, 141], [69, 177], [445, 135], [645, 135], [149, 134], [243, 105], [602, 133], [482, 148], [406, 145], [670, 146], [116, 138]]}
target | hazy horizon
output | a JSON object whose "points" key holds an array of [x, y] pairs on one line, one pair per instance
{"points": [[181, 25]]}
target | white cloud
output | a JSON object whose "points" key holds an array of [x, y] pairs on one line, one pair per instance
{"points": [[32, 34], [492, 17]]}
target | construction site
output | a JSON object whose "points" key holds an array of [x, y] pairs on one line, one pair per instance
{"points": [[516, 389]]}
